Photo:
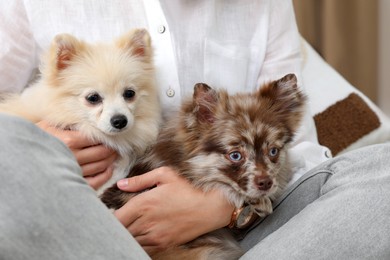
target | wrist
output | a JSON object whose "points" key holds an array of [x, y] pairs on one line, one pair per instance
{"points": [[225, 210]]}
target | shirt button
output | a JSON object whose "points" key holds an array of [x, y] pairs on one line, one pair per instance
{"points": [[161, 29], [328, 154], [170, 92]]}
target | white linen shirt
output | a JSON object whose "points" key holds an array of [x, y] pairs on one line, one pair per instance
{"points": [[237, 44]]}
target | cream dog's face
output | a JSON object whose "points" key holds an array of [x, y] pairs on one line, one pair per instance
{"points": [[111, 111], [99, 86], [109, 97], [115, 110]]}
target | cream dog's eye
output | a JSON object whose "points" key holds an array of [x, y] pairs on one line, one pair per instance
{"points": [[94, 98], [128, 94]]}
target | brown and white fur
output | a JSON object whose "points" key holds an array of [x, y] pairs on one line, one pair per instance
{"points": [[235, 143], [105, 90]]}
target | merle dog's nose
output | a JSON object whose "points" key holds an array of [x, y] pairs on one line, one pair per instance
{"points": [[263, 183], [118, 121]]}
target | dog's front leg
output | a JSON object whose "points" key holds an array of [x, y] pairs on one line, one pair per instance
{"points": [[262, 206]]}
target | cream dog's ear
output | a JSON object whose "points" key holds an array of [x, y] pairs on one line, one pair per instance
{"points": [[64, 48], [137, 42]]}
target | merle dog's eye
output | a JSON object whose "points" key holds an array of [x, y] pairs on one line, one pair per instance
{"points": [[128, 94], [94, 98], [273, 152], [235, 156]]}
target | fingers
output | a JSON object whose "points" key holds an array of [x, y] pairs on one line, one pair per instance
{"points": [[93, 153], [147, 180], [95, 162], [84, 149], [99, 170], [137, 228], [96, 181], [146, 242], [128, 213], [72, 139], [142, 203], [151, 249]]}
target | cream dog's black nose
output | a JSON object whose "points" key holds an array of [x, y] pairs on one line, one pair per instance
{"points": [[118, 121]]}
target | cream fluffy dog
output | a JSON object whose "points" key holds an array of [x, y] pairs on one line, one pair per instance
{"points": [[106, 91]]}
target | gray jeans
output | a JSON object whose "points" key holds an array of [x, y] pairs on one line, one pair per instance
{"points": [[340, 210], [47, 210]]}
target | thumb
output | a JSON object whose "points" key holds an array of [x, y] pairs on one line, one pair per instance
{"points": [[142, 182]]}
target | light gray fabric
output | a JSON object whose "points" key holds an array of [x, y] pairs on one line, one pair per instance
{"points": [[348, 220], [47, 210]]}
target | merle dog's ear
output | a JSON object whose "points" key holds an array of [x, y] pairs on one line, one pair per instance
{"points": [[283, 94], [284, 99], [205, 100]]}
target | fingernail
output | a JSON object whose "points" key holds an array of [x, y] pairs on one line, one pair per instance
{"points": [[123, 183]]}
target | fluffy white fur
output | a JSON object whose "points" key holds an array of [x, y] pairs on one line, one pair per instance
{"points": [[118, 75]]}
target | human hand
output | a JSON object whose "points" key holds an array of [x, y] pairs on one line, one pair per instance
{"points": [[172, 213], [95, 159]]}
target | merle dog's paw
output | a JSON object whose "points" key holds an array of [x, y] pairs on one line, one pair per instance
{"points": [[263, 207]]}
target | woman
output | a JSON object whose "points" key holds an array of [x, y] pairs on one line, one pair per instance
{"points": [[232, 44]]}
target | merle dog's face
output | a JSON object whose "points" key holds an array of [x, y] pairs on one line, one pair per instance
{"points": [[243, 139]]}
